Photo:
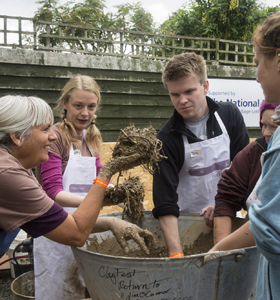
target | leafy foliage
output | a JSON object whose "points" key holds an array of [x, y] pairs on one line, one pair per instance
{"points": [[225, 19], [134, 17], [88, 13]]}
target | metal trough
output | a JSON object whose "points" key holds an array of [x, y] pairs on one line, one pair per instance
{"points": [[226, 275]]}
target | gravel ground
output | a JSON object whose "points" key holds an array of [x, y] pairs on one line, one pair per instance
{"points": [[5, 285], [6, 280]]}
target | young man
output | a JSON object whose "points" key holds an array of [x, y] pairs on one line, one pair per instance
{"points": [[200, 140]]}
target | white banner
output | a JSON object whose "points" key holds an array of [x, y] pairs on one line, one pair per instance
{"points": [[247, 95]]}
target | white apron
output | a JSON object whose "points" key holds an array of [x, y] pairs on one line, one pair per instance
{"points": [[253, 196], [56, 272], [204, 163]]}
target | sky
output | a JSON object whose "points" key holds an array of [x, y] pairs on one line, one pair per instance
{"points": [[160, 9]]}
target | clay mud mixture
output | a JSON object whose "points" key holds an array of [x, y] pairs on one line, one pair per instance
{"points": [[132, 194], [134, 142], [143, 142], [110, 246]]}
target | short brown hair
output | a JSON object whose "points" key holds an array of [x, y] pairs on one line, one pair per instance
{"points": [[266, 37], [185, 65]]}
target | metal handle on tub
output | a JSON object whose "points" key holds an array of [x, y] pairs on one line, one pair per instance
{"points": [[238, 254]]}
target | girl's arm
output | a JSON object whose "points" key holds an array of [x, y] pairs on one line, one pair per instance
{"points": [[51, 173], [67, 199], [240, 238]]}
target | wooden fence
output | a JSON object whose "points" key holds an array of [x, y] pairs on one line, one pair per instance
{"points": [[50, 36], [127, 96], [37, 58]]}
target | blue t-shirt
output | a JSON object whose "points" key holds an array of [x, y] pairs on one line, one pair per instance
{"points": [[265, 222]]}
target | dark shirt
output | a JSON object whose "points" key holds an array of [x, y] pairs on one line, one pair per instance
{"points": [[240, 179], [47, 222]]}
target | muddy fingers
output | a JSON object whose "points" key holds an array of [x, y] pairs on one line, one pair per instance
{"points": [[123, 163], [149, 239], [135, 234], [122, 241], [142, 237]]}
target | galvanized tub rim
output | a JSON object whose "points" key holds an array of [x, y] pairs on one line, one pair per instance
{"points": [[167, 259]]}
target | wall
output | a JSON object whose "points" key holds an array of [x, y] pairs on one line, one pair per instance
{"points": [[132, 91]]}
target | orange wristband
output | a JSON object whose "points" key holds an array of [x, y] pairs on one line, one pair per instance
{"points": [[101, 182], [179, 254]]}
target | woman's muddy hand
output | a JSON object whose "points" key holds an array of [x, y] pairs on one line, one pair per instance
{"points": [[125, 231]]}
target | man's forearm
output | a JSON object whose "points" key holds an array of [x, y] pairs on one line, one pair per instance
{"points": [[169, 226]]}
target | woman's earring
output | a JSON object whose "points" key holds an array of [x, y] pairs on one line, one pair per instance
{"points": [[18, 142]]}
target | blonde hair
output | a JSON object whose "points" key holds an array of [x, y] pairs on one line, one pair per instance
{"points": [[185, 65], [93, 136], [19, 114], [266, 37]]}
